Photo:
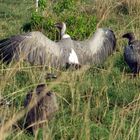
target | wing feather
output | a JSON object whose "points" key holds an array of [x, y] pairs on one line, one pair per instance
{"points": [[33, 47], [96, 49]]}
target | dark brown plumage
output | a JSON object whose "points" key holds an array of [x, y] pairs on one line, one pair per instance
{"points": [[42, 110], [132, 52]]}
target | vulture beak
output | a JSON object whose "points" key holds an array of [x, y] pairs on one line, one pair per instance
{"points": [[128, 35], [58, 25], [124, 36]]}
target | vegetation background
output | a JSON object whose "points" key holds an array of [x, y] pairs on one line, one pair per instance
{"points": [[101, 103]]}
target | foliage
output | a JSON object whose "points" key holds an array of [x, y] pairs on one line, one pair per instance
{"points": [[42, 4], [76, 19], [64, 6]]}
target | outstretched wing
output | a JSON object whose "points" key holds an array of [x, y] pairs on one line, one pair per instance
{"points": [[9, 46], [33, 47], [107, 45], [96, 49]]}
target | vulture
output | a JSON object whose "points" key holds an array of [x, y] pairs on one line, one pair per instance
{"points": [[132, 52], [37, 49], [42, 109], [94, 50]]}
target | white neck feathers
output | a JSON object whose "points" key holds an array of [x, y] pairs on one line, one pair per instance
{"points": [[63, 30], [65, 36]]}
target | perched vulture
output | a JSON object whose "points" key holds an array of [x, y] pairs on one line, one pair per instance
{"points": [[94, 50], [42, 109], [132, 52], [37, 49]]}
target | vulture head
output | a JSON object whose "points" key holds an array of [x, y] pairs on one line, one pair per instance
{"points": [[130, 36], [62, 28], [61, 25]]}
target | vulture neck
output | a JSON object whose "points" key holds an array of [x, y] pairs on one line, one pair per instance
{"points": [[62, 32]]}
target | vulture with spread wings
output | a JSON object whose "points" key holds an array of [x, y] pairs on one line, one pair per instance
{"points": [[37, 49]]}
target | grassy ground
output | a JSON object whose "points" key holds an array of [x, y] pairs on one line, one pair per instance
{"points": [[101, 103]]}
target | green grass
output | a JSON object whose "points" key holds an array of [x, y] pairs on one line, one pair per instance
{"points": [[101, 103]]}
